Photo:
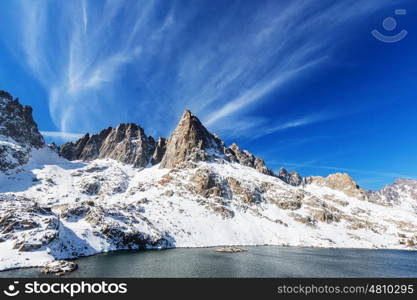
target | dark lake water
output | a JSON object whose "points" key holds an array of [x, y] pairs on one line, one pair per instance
{"points": [[264, 261]]}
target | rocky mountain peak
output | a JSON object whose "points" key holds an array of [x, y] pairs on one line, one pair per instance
{"points": [[341, 182], [126, 143], [244, 157], [292, 178], [16, 122], [129, 144], [190, 141], [5, 97], [392, 193], [19, 134]]}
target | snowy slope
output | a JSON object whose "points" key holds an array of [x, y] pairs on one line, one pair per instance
{"points": [[194, 192], [52, 208]]}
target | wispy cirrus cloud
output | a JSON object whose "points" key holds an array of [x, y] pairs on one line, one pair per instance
{"points": [[67, 48], [254, 128], [104, 62], [255, 93]]}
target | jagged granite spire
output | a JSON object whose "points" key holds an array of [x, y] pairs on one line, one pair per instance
{"points": [[244, 157], [126, 143], [129, 144], [191, 141], [292, 178]]}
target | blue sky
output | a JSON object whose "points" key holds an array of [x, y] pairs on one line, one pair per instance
{"points": [[302, 84]]}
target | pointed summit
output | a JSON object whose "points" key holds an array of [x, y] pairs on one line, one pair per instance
{"points": [[190, 141]]}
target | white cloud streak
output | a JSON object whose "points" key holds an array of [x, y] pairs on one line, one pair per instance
{"points": [[68, 136], [104, 62], [350, 170], [77, 66]]}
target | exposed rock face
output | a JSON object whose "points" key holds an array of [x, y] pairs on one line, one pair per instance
{"points": [[247, 159], [392, 193], [191, 141], [12, 155], [292, 178], [72, 151], [16, 122], [243, 157], [18, 133], [29, 225], [206, 184], [340, 182], [259, 164], [127, 143], [91, 149], [123, 228]]}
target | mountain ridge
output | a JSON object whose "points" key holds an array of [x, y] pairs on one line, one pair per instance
{"points": [[121, 189], [129, 144], [190, 141]]}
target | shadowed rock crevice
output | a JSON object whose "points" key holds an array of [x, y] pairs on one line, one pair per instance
{"points": [[159, 152]]}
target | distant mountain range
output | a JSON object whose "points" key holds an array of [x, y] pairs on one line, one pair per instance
{"points": [[122, 189]]}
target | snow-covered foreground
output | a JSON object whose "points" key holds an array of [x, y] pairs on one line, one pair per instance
{"points": [[52, 208]]}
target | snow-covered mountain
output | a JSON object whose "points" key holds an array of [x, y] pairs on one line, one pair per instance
{"points": [[121, 189]]}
